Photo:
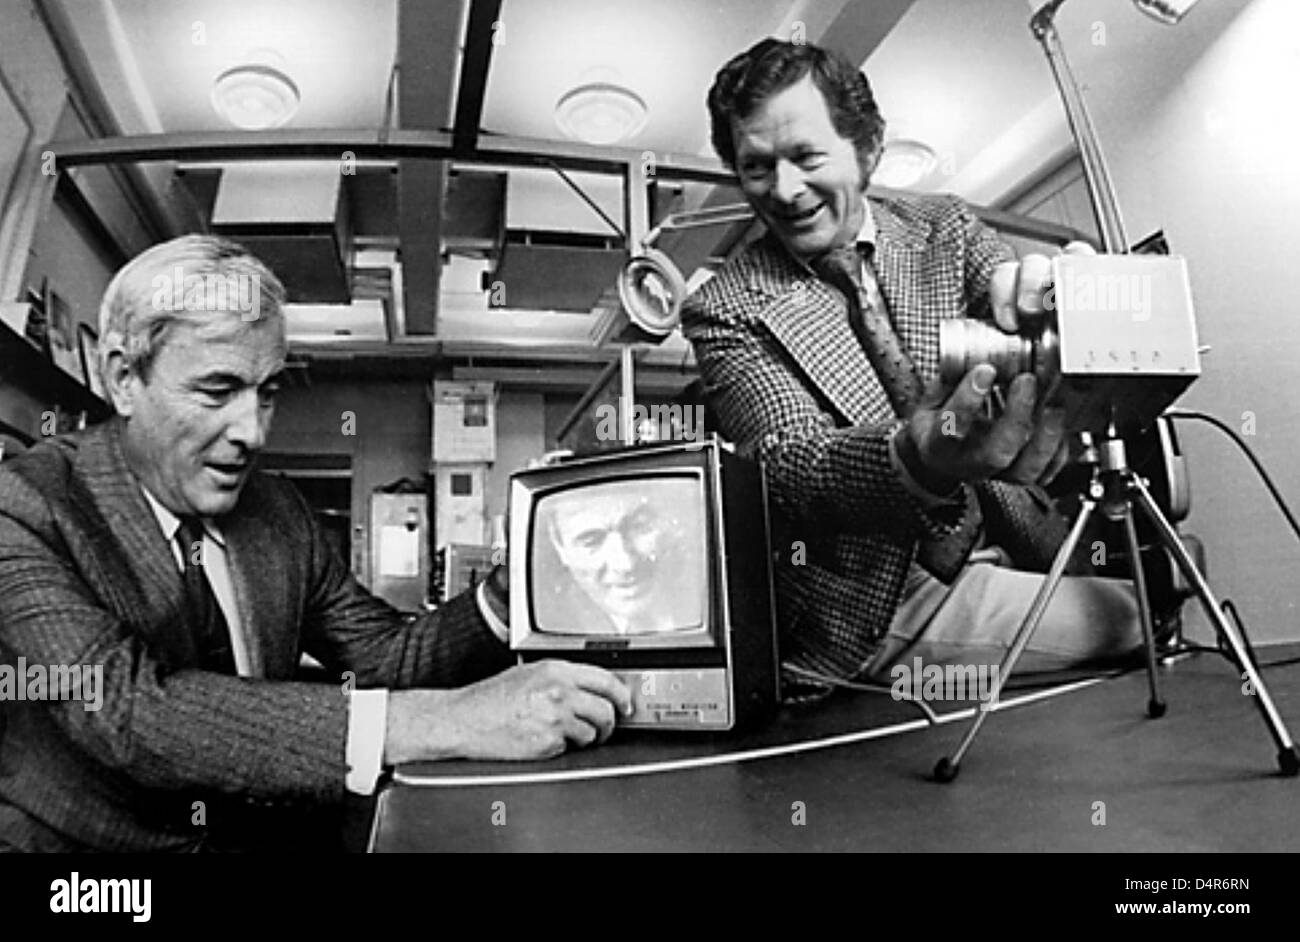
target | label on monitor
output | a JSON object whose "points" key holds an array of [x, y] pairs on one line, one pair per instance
{"points": [[678, 699]]}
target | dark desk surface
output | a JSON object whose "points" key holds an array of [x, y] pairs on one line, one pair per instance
{"points": [[1040, 774]]}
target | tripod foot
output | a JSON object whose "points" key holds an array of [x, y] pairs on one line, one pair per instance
{"points": [[945, 770], [1156, 708], [1288, 761]]}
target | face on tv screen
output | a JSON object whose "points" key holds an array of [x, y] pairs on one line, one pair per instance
{"points": [[620, 557]]}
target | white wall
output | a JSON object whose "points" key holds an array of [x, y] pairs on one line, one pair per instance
{"points": [[1208, 153]]}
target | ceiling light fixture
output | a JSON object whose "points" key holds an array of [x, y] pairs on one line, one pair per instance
{"points": [[601, 113], [1166, 11], [255, 97], [903, 163]]}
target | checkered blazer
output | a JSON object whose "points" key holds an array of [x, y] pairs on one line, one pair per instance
{"points": [[789, 383], [86, 577]]}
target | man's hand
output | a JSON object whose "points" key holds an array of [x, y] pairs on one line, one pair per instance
{"points": [[1018, 290], [950, 440], [527, 712]]}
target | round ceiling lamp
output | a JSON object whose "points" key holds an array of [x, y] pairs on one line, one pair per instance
{"points": [[255, 97], [903, 163], [601, 113]]}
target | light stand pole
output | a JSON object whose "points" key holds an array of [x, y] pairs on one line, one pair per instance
{"points": [[1104, 202]]}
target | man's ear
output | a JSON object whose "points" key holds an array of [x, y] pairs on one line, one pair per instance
{"points": [[121, 382], [867, 163]]}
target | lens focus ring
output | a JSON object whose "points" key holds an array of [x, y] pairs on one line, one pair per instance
{"points": [[965, 343]]}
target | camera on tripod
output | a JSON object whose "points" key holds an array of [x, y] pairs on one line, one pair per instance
{"points": [[1115, 346]]}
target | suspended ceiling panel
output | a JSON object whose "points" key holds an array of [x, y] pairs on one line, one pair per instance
{"points": [[166, 55], [666, 51]]}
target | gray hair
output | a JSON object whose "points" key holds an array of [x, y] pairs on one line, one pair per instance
{"points": [[185, 280]]}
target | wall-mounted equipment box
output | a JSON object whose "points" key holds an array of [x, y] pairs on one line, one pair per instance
{"points": [[460, 506], [464, 422], [399, 549]]}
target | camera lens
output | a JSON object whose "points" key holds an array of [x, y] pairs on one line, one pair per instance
{"points": [[964, 344]]}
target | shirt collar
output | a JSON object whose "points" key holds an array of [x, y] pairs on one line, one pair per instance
{"points": [[170, 523], [867, 233]]}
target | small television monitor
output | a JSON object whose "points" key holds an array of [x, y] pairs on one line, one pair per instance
{"points": [[652, 562]]}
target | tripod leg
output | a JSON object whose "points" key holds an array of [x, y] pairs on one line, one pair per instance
{"points": [[1155, 705], [947, 768], [1287, 757]]}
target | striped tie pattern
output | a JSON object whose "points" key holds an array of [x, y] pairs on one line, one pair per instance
{"points": [[210, 630]]}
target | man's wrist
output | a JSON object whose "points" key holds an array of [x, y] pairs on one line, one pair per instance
{"points": [[935, 483], [419, 727]]}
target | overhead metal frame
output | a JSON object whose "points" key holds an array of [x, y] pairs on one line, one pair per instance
{"points": [[420, 139], [480, 38], [376, 144], [428, 37]]}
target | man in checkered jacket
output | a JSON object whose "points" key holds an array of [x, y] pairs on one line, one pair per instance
{"points": [[878, 506]]}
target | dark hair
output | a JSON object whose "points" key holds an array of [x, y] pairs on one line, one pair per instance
{"points": [[771, 66]]}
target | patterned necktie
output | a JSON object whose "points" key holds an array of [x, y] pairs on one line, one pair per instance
{"points": [[211, 633], [842, 268]]}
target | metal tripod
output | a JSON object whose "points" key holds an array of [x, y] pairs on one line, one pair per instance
{"points": [[1117, 487]]}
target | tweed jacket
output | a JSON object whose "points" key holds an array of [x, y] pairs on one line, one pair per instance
{"points": [[87, 578], [789, 383]]}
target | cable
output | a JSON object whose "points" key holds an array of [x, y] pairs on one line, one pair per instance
{"points": [[827, 680], [1284, 662], [1048, 679], [1191, 647], [1227, 605], [1230, 610], [1222, 426]]}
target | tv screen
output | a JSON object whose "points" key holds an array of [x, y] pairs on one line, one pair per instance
{"points": [[653, 563], [621, 557]]}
